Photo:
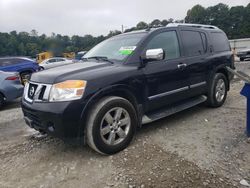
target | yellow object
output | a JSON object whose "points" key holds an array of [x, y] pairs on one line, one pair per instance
{"points": [[71, 84], [70, 55], [43, 56]]}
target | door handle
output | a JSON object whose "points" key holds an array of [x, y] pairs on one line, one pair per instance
{"points": [[181, 65]]}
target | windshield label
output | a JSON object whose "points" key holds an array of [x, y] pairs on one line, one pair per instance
{"points": [[127, 50]]}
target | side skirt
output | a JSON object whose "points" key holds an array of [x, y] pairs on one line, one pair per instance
{"points": [[148, 118]]}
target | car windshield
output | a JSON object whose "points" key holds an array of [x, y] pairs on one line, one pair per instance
{"points": [[116, 48]]}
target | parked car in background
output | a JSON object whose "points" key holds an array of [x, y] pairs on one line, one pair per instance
{"points": [[24, 66], [79, 55], [129, 80], [54, 62], [10, 87], [244, 54]]}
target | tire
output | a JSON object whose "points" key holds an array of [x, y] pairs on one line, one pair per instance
{"points": [[1, 100], [242, 59], [102, 116], [218, 88]]}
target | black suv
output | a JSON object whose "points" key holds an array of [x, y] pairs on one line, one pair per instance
{"points": [[129, 80]]}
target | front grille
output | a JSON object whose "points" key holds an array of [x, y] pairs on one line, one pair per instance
{"points": [[37, 92], [32, 90]]}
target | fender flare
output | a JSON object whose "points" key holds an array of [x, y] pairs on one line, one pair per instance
{"points": [[106, 91], [219, 69]]}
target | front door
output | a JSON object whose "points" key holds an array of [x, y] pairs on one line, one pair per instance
{"points": [[167, 80]]}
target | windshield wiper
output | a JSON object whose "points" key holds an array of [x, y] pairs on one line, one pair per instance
{"points": [[99, 58]]}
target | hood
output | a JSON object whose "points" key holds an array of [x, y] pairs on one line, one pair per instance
{"points": [[71, 71]]}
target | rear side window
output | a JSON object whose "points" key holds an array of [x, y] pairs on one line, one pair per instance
{"points": [[59, 60], [168, 41], [220, 42], [193, 43], [6, 62], [52, 61]]}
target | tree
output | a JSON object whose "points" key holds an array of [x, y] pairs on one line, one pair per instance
{"points": [[33, 33], [142, 25], [235, 21], [113, 33], [155, 23], [196, 15], [164, 22]]}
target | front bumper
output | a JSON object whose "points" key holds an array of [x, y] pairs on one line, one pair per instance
{"points": [[62, 119]]}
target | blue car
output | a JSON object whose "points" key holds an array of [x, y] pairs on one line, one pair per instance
{"points": [[24, 66], [10, 87]]}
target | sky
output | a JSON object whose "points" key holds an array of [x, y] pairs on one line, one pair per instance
{"points": [[96, 17]]}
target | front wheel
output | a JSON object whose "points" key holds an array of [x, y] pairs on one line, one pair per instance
{"points": [[111, 125], [217, 93]]}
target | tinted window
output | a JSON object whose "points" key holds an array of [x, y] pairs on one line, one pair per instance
{"points": [[59, 60], [220, 42], [7, 62], [52, 61], [192, 43], [168, 41]]}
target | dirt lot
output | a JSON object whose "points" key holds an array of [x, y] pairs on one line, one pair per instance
{"points": [[200, 147]]}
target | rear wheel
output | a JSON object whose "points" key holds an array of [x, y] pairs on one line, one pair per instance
{"points": [[217, 93], [111, 125], [1, 100]]}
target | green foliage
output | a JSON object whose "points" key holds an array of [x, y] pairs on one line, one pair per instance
{"points": [[235, 21]]}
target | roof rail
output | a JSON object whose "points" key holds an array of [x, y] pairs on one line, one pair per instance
{"points": [[192, 25]]}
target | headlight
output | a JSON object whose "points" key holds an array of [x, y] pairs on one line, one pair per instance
{"points": [[67, 90]]}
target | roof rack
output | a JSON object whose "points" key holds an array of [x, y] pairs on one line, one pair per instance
{"points": [[192, 25]]}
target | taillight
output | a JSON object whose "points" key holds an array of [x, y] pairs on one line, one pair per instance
{"points": [[12, 78]]}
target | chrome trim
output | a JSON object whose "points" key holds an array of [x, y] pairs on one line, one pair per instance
{"points": [[198, 85], [168, 93], [192, 25], [38, 90]]}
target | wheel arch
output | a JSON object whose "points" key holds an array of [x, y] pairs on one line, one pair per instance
{"points": [[4, 97], [220, 69], [224, 71], [26, 71], [123, 91], [1, 93]]}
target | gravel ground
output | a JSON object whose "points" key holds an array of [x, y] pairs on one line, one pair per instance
{"points": [[200, 147]]}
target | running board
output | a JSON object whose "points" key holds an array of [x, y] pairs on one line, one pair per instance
{"points": [[174, 109]]}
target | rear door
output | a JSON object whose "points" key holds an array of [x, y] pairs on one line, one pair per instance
{"points": [[196, 56], [167, 80]]}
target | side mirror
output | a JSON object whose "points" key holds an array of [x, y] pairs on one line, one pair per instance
{"points": [[154, 55]]}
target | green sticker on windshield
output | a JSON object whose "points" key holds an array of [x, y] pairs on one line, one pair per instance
{"points": [[127, 50]]}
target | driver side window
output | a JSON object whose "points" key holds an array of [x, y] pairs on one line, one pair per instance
{"points": [[168, 41]]}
